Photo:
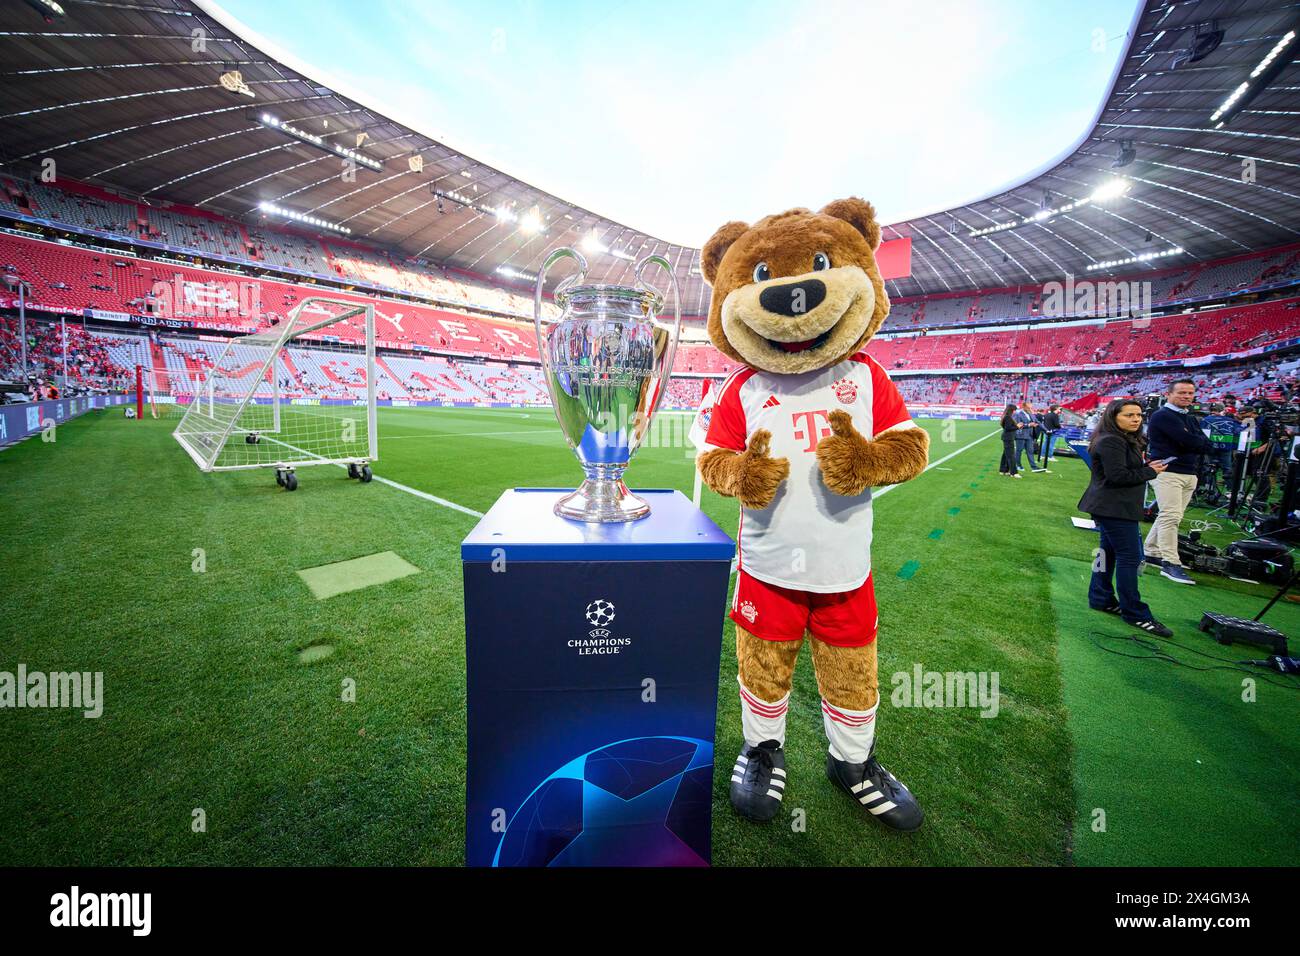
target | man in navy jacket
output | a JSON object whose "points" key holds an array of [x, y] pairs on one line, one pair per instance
{"points": [[1172, 432]]}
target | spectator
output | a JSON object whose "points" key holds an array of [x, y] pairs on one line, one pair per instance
{"points": [[1176, 435], [1114, 499], [1026, 427], [1010, 427], [1051, 425]]}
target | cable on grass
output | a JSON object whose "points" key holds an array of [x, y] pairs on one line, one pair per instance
{"points": [[1156, 653]]}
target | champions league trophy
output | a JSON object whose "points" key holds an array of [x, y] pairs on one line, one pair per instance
{"points": [[606, 363]]}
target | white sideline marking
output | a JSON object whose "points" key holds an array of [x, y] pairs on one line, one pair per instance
{"points": [[531, 431], [392, 484], [934, 464], [428, 497]]}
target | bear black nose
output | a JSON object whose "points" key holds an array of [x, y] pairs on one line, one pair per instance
{"points": [[795, 298]]}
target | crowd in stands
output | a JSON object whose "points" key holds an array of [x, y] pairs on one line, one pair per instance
{"points": [[60, 277], [1201, 282], [89, 361], [86, 208], [99, 358]]}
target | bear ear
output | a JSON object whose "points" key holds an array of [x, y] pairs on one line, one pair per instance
{"points": [[717, 246], [859, 214]]}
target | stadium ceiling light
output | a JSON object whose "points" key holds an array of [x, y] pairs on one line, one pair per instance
{"points": [[271, 209], [510, 273], [591, 244], [270, 121], [619, 254], [1129, 260], [1107, 190], [1278, 47], [1263, 73], [532, 222]]}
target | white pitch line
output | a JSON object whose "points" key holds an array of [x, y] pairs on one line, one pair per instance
{"points": [[390, 483], [933, 464], [428, 497], [531, 431]]}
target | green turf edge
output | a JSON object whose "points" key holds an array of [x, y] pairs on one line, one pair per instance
{"points": [[1185, 772]]}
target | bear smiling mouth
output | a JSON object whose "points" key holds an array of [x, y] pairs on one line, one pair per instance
{"points": [[804, 345]]}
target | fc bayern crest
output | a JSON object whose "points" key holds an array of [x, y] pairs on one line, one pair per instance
{"points": [[845, 391]]}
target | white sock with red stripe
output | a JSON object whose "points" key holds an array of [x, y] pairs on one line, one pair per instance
{"points": [[850, 732], [760, 720]]}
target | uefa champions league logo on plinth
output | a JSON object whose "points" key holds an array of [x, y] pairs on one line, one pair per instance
{"points": [[600, 614], [600, 640]]}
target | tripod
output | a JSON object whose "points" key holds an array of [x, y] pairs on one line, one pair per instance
{"points": [[1289, 583], [1236, 487]]}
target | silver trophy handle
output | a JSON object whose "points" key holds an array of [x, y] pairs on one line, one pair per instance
{"points": [[667, 363], [564, 252]]}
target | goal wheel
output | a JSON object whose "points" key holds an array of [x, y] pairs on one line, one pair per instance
{"points": [[365, 474], [353, 471], [290, 481], [279, 477], [252, 439]]}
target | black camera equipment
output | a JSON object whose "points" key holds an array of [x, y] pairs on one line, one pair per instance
{"points": [[1254, 559]]}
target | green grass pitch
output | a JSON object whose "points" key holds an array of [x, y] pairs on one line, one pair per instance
{"points": [[223, 687]]}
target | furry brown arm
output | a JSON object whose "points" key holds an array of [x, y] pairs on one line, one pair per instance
{"points": [[851, 463], [751, 475]]}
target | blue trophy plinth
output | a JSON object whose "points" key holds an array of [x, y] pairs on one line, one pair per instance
{"points": [[592, 680]]}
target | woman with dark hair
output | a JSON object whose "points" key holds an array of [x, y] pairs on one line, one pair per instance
{"points": [[1009, 428], [1114, 499]]}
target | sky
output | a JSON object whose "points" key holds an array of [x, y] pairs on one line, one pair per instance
{"points": [[673, 117]]}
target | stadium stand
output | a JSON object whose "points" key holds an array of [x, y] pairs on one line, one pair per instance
{"points": [[921, 335]]}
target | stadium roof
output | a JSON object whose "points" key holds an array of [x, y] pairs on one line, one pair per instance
{"points": [[128, 95]]}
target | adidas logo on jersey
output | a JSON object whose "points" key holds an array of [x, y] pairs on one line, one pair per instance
{"points": [[771, 402]]}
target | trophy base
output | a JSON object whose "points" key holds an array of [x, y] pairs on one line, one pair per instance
{"points": [[602, 501]]}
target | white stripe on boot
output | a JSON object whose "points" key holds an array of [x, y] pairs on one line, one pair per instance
{"points": [[849, 732], [761, 720]]}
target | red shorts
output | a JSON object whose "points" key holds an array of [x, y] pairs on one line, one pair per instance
{"points": [[844, 619]]}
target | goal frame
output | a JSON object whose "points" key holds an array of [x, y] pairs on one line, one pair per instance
{"points": [[147, 394], [289, 331]]}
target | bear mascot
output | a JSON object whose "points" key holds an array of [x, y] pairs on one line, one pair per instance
{"points": [[800, 434]]}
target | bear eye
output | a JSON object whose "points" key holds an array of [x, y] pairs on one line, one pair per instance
{"points": [[762, 273], [821, 262]]}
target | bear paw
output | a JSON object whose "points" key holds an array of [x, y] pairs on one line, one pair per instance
{"points": [[850, 463], [758, 474], [752, 475], [845, 457]]}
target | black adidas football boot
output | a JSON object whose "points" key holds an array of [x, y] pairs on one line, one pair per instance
{"points": [[758, 781], [878, 791]]}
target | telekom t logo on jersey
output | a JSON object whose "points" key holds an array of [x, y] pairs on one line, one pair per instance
{"points": [[808, 428]]}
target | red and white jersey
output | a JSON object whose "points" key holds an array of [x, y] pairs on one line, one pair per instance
{"points": [[808, 538]]}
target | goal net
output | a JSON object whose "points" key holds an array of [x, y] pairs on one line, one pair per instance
{"points": [[266, 402]]}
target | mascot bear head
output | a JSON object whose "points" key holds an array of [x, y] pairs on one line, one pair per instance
{"points": [[798, 290]]}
